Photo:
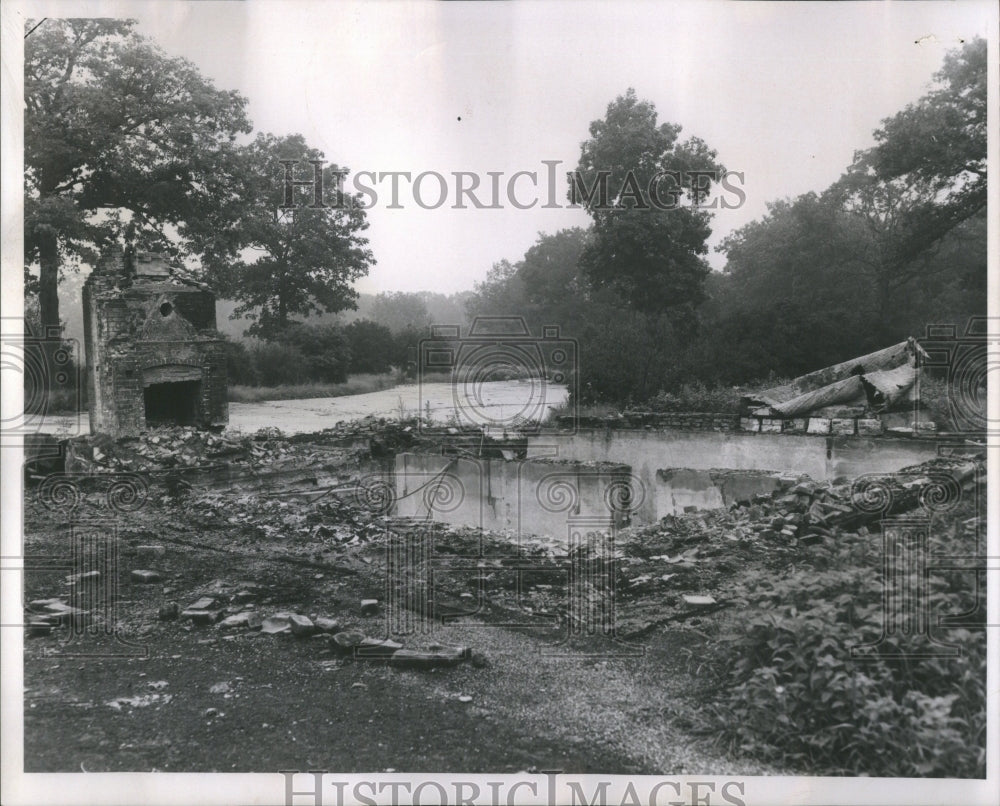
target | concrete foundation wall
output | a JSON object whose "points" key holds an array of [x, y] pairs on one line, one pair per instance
{"points": [[819, 457], [540, 498], [674, 489]]}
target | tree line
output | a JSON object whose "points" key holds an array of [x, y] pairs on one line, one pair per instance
{"points": [[124, 144], [897, 243]]}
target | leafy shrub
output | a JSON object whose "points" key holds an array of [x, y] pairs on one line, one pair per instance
{"points": [[240, 368], [792, 692], [324, 348], [370, 346], [936, 396], [696, 396], [277, 363]]}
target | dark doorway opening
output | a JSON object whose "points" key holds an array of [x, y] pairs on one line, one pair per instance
{"points": [[172, 403]]}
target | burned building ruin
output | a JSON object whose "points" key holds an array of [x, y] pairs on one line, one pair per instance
{"points": [[154, 356]]}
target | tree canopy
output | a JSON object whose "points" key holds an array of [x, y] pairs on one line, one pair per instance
{"points": [[121, 143], [648, 232], [280, 264]]}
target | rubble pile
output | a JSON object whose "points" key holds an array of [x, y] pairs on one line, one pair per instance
{"points": [[330, 517], [176, 447], [810, 511], [238, 613]]}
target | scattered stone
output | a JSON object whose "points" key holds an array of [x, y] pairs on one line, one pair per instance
{"points": [[327, 625], [220, 688], [169, 611], [204, 603], [464, 698], [425, 659], [375, 649], [277, 624], [348, 640], [145, 577], [301, 625], [156, 685], [89, 576], [42, 605], [38, 628], [201, 616], [62, 613], [244, 596], [698, 601], [369, 607], [212, 712], [247, 619]]}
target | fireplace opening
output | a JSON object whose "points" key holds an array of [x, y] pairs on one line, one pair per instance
{"points": [[172, 403]]}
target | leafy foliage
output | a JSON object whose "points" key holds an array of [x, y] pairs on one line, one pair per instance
{"points": [[897, 244], [790, 691], [121, 143], [307, 258], [650, 256], [370, 345]]}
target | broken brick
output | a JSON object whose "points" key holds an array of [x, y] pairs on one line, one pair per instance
{"points": [[248, 619], [198, 616], [327, 625], [277, 624], [145, 577], [301, 625], [348, 640], [699, 601], [369, 607]]}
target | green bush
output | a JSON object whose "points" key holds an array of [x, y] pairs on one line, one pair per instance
{"points": [[697, 396], [791, 691], [326, 353], [240, 368], [370, 346], [276, 364]]}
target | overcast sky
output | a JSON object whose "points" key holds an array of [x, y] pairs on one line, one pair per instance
{"points": [[784, 92]]}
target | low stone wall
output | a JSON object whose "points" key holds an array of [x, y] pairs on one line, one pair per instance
{"points": [[722, 421], [821, 457]]}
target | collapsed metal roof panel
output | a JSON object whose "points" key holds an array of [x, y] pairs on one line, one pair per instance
{"points": [[883, 379]]}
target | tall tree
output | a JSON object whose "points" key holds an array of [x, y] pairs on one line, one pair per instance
{"points": [[645, 189], [121, 143], [306, 258], [925, 176]]}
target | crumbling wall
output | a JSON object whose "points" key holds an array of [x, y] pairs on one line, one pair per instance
{"points": [[143, 325]]}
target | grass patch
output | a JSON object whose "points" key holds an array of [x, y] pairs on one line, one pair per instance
{"points": [[355, 385]]}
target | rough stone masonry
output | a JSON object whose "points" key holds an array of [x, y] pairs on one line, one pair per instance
{"points": [[154, 356]]}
